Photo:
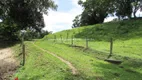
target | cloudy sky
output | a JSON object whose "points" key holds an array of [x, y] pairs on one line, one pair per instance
{"points": [[62, 18]]}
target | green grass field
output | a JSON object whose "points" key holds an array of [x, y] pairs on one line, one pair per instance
{"points": [[89, 62], [41, 66]]}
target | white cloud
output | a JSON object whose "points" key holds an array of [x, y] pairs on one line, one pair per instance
{"points": [[57, 20], [108, 19], [56, 1], [139, 13]]}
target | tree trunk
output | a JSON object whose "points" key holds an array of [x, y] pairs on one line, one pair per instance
{"points": [[134, 13], [135, 10]]}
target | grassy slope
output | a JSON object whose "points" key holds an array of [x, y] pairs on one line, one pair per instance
{"points": [[127, 36], [122, 30], [89, 62]]}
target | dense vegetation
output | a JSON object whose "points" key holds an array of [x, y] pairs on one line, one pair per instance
{"points": [[19, 15]]}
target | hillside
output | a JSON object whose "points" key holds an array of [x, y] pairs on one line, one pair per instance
{"points": [[122, 30], [126, 35], [51, 57]]}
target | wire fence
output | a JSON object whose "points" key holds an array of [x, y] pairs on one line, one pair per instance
{"points": [[126, 48]]}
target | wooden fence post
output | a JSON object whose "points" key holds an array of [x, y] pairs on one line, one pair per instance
{"points": [[86, 42], [23, 47], [23, 51], [111, 48]]}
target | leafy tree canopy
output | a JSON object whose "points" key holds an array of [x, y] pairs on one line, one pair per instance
{"points": [[76, 21], [95, 11], [25, 13]]}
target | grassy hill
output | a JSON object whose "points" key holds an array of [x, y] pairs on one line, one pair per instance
{"points": [[121, 30], [127, 45], [127, 37]]}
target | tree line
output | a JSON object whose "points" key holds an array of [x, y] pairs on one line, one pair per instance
{"points": [[95, 11], [16, 15]]}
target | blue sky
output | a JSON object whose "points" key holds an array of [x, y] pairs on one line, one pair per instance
{"points": [[65, 5], [62, 18]]}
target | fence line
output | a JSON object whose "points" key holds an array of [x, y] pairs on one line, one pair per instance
{"points": [[110, 47], [71, 41]]}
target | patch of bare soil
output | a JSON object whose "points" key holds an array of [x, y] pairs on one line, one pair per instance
{"points": [[8, 64]]}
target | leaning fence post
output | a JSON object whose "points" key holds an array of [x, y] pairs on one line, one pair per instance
{"points": [[86, 42], [111, 48]]}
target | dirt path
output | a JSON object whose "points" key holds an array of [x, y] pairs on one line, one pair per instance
{"points": [[74, 70], [8, 64]]}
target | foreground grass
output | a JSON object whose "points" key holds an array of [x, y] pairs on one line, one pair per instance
{"points": [[90, 67], [42, 66]]}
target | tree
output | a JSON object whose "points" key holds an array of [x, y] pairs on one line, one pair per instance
{"points": [[25, 13], [125, 8], [76, 21], [136, 6], [32, 34], [140, 5], [95, 11], [8, 30]]}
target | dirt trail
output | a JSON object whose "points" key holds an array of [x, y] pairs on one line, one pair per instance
{"points": [[74, 70], [8, 64]]}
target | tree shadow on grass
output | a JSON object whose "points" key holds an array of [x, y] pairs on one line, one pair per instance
{"points": [[81, 77], [111, 72]]}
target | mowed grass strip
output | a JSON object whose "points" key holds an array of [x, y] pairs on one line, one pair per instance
{"points": [[73, 69]]}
